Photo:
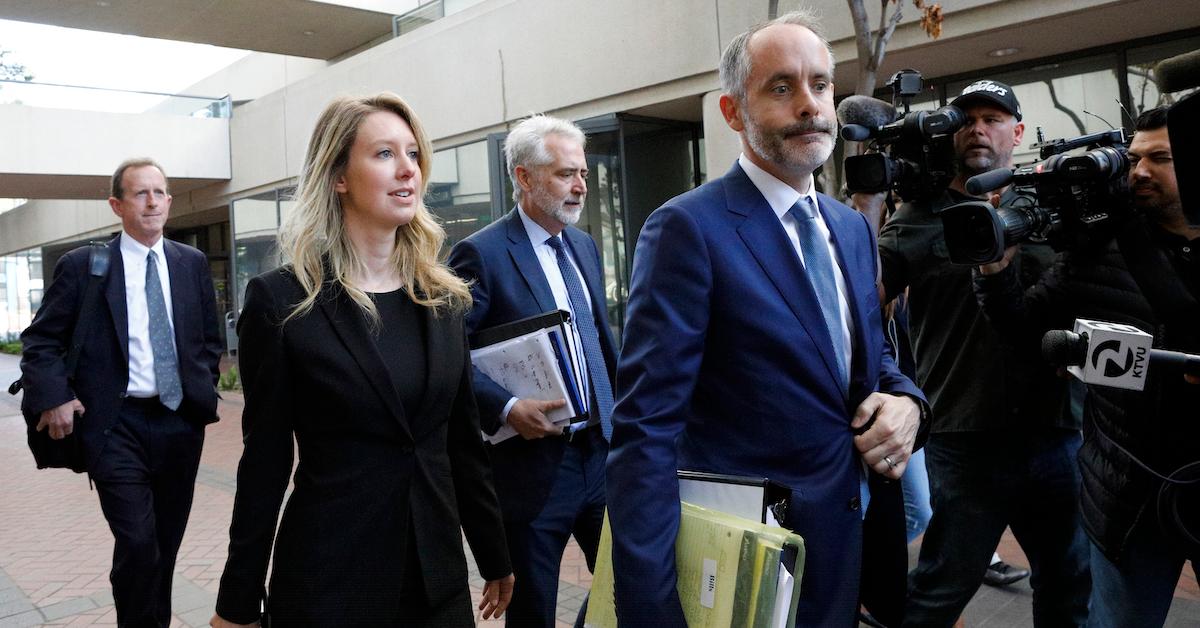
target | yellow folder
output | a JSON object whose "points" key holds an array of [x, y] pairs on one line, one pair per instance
{"points": [[728, 572]]}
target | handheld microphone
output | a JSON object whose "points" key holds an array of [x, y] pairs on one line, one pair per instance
{"points": [[1112, 354], [1178, 73], [864, 111], [981, 184]]}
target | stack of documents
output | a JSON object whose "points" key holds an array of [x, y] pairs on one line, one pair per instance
{"points": [[733, 572], [533, 364]]}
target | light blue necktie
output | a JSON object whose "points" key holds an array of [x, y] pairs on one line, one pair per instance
{"points": [[820, 269], [162, 341], [584, 323]]}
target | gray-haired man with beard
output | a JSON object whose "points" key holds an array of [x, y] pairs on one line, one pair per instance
{"points": [[550, 479], [1002, 444]]}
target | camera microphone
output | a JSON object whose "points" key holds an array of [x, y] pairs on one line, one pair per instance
{"points": [[855, 132], [864, 112], [1178, 73], [981, 184], [1112, 354]]}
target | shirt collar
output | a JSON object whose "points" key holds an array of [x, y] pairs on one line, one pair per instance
{"points": [[132, 247], [780, 196], [537, 235]]}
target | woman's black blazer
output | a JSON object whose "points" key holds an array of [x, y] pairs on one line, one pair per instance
{"points": [[369, 477]]}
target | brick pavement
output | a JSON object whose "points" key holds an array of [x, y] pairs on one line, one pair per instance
{"points": [[55, 549]]}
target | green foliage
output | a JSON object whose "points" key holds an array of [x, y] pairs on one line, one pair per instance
{"points": [[13, 348], [229, 380]]}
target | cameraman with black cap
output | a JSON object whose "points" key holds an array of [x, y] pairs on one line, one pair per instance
{"points": [[1136, 443], [1001, 450]]}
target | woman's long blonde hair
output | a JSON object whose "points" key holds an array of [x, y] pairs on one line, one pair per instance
{"points": [[314, 235]]}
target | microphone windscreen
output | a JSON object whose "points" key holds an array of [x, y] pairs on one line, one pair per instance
{"points": [[1178, 73], [981, 184], [1063, 348], [865, 111], [855, 132]]}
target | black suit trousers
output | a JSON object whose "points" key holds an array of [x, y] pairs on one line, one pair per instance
{"points": [[145, 478]]}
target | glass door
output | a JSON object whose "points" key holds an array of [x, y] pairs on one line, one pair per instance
{"points": [[634, 165]]}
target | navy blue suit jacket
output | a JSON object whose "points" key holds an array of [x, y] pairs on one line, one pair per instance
{"points": [[727, 367], [507, 285], [102, 375]]}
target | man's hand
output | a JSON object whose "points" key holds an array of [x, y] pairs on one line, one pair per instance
{"points": [[496, 596], [528, 417], [60, 420], [995, 267], [220, 622], [870, 204], [1192, 379], [887, 446]]}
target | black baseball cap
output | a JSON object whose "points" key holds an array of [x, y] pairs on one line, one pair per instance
{"points": [[989, 92]]}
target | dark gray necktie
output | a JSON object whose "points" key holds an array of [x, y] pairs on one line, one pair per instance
{"points": [[820, 270], [162, 341], [597, 372]]}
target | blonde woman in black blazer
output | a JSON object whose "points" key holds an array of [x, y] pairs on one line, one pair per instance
{"points": [[355, 351]]}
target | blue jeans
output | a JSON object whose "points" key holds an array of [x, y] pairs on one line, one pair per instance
{"points": [[982, 483], [915, 483], [1140, 592]]}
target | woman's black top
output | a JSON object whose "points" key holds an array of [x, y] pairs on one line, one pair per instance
{"points": [[401, 342]]}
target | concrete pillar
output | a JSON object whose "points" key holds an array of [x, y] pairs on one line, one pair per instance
{"points": [[722, 145]]}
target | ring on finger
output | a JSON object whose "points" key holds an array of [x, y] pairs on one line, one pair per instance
{"points": [[890, 464]]}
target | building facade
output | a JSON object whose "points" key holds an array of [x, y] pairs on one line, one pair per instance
{"points": [[639, 77]]}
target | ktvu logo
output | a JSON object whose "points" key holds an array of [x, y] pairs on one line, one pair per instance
{"points": [[1114, 364]]}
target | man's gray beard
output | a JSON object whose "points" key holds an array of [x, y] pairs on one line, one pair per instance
{"points": [[556, 207], [772, 148], [566, 216]]}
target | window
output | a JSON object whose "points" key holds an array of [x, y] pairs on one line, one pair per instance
{"points": [[1143, 91], [255, 227], [459, 190]]}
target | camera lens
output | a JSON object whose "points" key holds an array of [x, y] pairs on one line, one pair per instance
{"points": [[1098, 164]]}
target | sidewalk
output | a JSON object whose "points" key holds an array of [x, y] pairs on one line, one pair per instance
{"points": [[55, 548]]}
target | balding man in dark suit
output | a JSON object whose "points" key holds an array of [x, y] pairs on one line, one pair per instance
{"points": [[144, 389]]}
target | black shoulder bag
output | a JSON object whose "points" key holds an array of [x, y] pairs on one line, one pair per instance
{"points": [[67, 453]]}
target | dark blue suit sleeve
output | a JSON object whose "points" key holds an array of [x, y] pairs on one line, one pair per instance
{"points": [[45, 342], [891, 380], [658, 369], [213, 348], [491, 397]]}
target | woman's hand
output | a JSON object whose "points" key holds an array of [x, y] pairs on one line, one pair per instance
{"points": [[496, 596], [220, 622]]}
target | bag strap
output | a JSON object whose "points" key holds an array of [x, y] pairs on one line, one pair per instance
{"points": [[98, 262]]}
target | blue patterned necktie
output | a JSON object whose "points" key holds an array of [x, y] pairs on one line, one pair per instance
{"points": [[590, 338], [162, 341], [820, 269]]}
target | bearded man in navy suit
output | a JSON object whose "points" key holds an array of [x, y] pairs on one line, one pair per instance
{"points": [[550, 479], [754, 343]]}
